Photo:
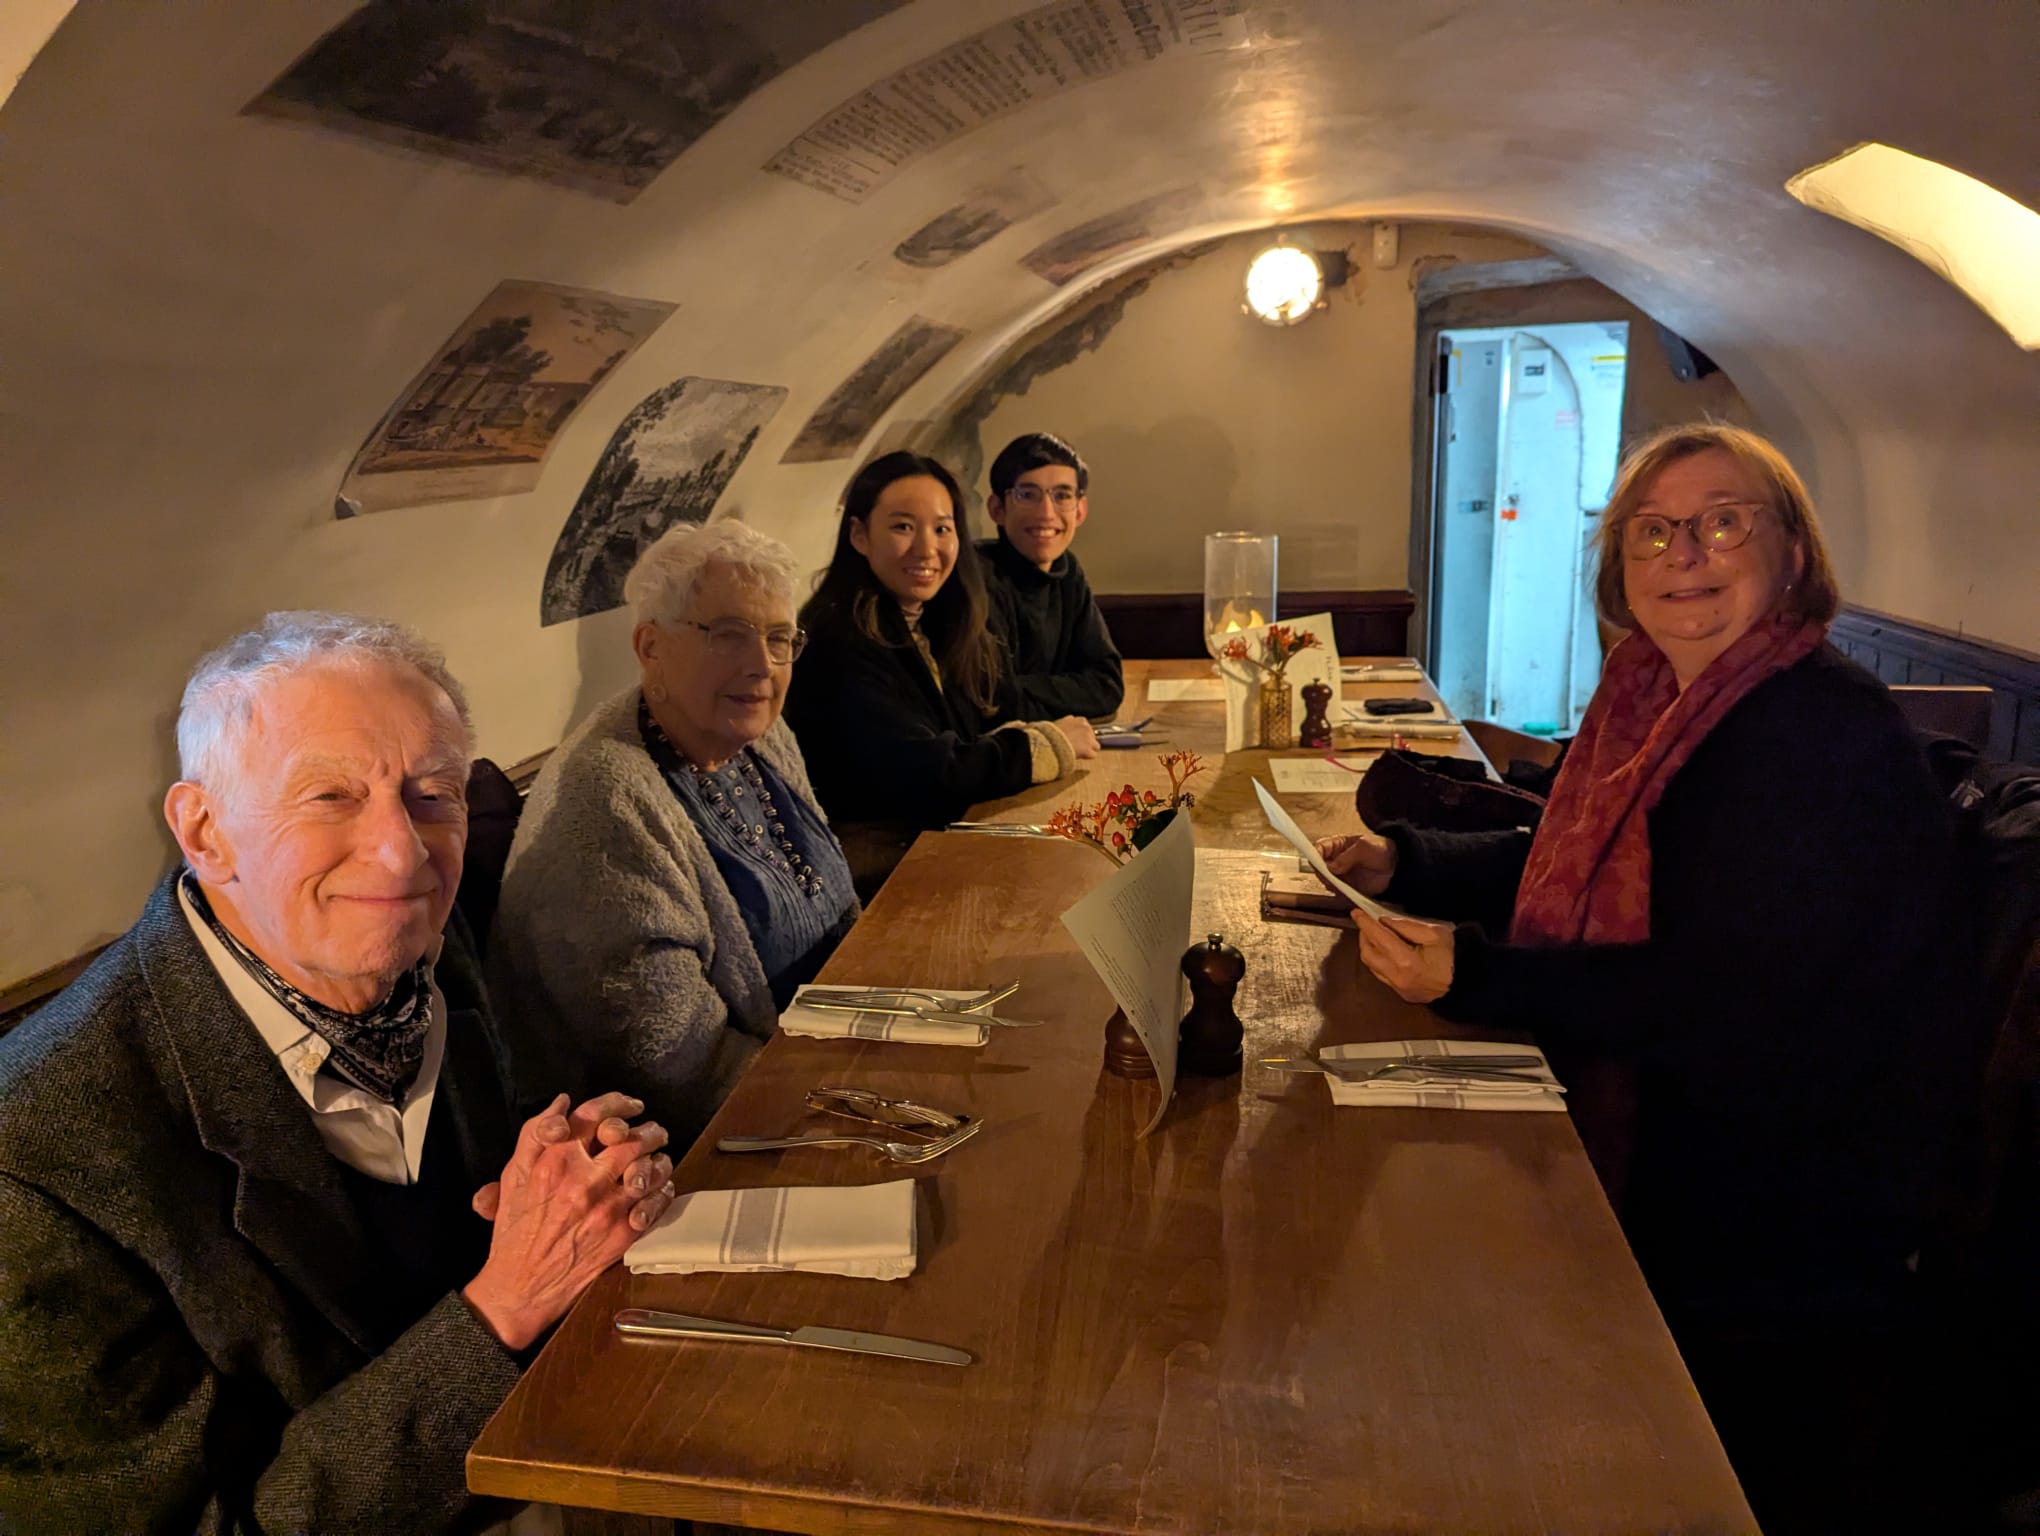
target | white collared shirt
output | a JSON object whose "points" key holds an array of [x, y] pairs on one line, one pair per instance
{"points": [[381, 1140]]}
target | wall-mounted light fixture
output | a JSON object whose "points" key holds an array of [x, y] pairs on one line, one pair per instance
{"points": [[1984, 242], [1285, 283]]}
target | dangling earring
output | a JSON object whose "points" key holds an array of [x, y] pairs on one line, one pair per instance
{"points": [[655, 690]]}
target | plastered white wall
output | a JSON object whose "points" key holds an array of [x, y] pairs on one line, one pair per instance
{"points": [[1194, 417]]}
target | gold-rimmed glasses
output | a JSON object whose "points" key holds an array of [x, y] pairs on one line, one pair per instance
{"points": [[1726, 525], [731, 638]]}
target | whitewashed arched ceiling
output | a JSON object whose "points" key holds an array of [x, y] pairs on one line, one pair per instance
{"points": [[204, 311]]}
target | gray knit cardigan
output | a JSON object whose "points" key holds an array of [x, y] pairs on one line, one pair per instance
{"points": [[619, 959]]}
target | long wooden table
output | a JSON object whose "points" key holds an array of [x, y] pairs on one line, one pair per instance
{"points": [[1266, 1317]]}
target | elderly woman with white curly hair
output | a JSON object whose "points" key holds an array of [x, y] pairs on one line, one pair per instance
{"points": [[673, 880]]}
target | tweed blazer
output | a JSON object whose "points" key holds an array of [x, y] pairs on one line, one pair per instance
{"points": [[619, 955], [194, 1329]]}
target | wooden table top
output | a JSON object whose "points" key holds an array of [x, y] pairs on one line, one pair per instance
{"points": [[1266, 1317]]}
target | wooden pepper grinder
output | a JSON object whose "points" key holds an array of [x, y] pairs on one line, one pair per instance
{"points": [[1125, 1056], [1316, 730], [1212, 1032]]}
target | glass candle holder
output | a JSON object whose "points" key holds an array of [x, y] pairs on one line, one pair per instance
{"points": [[1239, 587]]}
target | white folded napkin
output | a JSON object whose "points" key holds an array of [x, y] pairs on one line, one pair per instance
{"points": [[1408, 1092], [1366, 674], [862, 1230], [1431, 727], [830, 1024]]}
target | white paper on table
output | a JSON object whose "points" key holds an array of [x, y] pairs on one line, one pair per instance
{"points": [[1133, 930], [1298, 839], [1178, 690], [1319, 776]]}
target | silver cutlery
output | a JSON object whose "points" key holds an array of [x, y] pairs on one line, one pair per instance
{"points": [[1519, 1071], [929, 999], [894, 1114], [637, 1322], [1521, 1060], [896, 1151], [928, 1015]]}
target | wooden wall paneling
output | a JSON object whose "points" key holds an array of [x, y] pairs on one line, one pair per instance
{"points": [[1170, 625], [1899, 651]]}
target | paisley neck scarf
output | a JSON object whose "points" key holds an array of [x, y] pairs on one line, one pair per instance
{"points": [[378, 1050]]}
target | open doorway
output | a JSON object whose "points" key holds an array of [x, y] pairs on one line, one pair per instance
{"points": [[1527, 425]]}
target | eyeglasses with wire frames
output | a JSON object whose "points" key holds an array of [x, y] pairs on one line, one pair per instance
{"points": [[731, 638], [1032, 496], [1726, 525]]}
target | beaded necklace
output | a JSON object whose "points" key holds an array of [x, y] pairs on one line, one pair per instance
{"points": [[780, 852]]}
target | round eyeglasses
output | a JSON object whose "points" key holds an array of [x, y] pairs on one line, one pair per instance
{"points": [[1032, 496], [1721, 528], [731, 638]]}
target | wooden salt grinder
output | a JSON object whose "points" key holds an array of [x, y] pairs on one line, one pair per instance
{"points": [[1212, 1032]]}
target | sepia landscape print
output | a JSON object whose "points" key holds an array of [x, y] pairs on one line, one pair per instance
{"points": [[986, 214], [668, 463], [846, 418], [597, 96], [1076, 251], [481, 418]]}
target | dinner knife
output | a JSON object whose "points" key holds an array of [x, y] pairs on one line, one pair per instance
{"points": [[636, 1322]]}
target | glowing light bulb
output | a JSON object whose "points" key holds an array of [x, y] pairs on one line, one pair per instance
{"points": [[1284, 284]]}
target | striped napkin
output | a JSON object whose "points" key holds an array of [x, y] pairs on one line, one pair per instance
{"points": [[863, 1230], [1407, 1092], [827, 1024]]}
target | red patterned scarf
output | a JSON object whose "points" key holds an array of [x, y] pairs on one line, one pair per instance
{"points": [[1588, 877]]}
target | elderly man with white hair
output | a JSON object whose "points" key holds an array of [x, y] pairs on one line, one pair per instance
{"points": [[673, 879], [272, 1248]]}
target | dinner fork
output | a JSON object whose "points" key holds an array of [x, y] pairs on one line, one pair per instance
{"points": [[897, 1151]]}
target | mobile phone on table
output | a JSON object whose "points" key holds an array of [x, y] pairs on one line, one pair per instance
{"points": [[1396, 706]]}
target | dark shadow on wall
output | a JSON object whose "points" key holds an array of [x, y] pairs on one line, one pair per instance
{"points": [[607, 666]]}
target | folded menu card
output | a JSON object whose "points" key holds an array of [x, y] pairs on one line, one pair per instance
{"points": [[828, 1024], [863, 1230], [1407, 1091]]}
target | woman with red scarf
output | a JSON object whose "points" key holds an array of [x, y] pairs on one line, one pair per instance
{"points": [[1728, 934]]}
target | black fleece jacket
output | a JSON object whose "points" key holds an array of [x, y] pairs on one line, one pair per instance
{"points": [[1791, 1019], [882, 742], [1061, 653]]}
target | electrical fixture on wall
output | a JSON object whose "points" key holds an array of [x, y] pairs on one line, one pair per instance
{"points": [[1285, 284], [1984, 242]]}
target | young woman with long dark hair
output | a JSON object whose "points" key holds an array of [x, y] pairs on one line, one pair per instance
{"points": [[901, 700]]}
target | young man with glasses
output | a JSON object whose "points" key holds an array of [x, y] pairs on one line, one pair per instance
{"points": [[1061, 654]]}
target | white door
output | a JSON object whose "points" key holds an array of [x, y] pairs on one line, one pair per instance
{"points": [[1469, 417], [1529, 423]]}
